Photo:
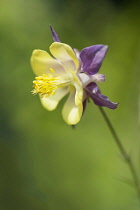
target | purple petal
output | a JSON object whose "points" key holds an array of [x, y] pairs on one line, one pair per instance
{"points": [[54, 35], [98, 98], [92, 58]]}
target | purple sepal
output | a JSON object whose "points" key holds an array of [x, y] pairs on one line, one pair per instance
{"points": [[98, 98], [54, 35], [92, 58]]}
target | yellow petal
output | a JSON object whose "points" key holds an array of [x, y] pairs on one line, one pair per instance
{"points": [[42, 62], [66, 55], [78, 96], [79, 89], [51, 102], [71, 112]]}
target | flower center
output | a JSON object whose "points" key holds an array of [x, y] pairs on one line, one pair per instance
{"points": [[47, 85]]}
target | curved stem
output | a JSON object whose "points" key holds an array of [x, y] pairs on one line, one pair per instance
{"points": [[124, 153]]}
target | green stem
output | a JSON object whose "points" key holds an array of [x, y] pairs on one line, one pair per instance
{"points": [[124, 153]]}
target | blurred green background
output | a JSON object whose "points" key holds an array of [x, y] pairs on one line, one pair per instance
{"points": [[44, 163]]}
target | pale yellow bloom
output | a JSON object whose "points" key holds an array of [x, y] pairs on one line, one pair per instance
{"points": [[57, 77]]}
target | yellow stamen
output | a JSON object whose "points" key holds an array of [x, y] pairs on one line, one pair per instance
{"points": [[46, 85], [51, 70]]}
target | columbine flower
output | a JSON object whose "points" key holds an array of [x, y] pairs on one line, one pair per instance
{"points": [[69, 72]]}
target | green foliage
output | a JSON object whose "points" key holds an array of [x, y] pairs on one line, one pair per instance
{"points": [[44, 163]]}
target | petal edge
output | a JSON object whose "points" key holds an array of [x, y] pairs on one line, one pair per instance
{"points": [[98, 98], [41, 63], [54, 35], [50, 103], [92, 58], [65, 54], [71, 112]]}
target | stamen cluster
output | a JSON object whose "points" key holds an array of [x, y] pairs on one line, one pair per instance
{"points": [[46, 85]]}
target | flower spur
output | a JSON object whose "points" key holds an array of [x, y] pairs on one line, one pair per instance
{"points": [[69, 71]]}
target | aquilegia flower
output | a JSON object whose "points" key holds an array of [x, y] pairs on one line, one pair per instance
{"points": [[69, 72]]}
